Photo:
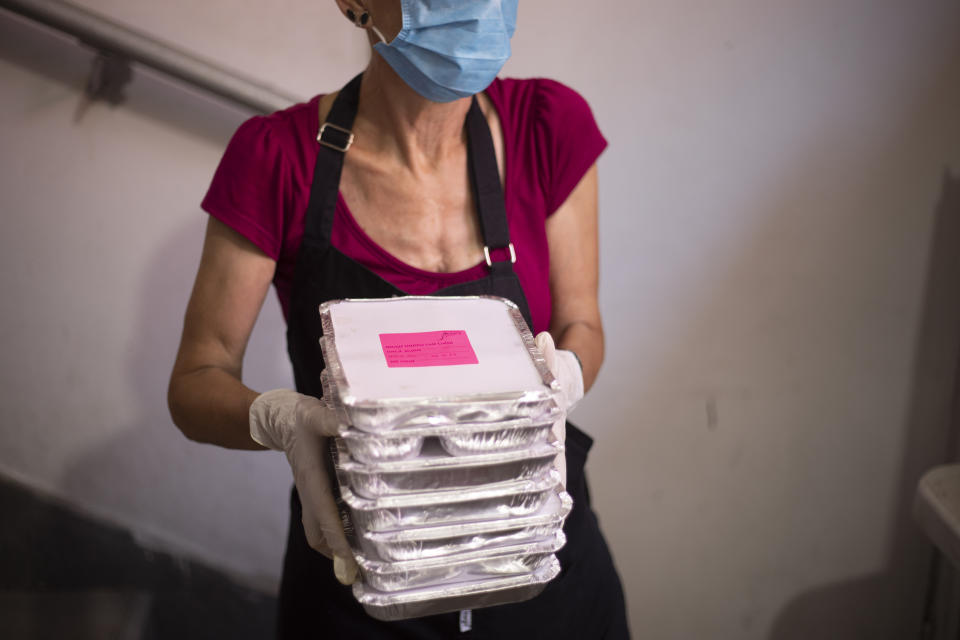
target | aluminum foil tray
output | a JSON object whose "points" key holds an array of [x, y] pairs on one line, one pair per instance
{"points": [[367, 517], [448, 540], [433, 360], [441, 598], [447, 571], [388, 570], [437, 425], [457, 440], [423, 549], [553, 511], [434, 458], [434, 498], [443, 472], [434, 412]]}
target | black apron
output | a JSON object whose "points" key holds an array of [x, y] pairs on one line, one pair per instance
{"points": [[585, 601]]}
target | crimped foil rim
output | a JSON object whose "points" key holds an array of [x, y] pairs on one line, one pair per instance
{"points": [[441, 430]]}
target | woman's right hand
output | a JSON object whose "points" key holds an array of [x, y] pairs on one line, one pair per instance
{"points": [[299, 425]]}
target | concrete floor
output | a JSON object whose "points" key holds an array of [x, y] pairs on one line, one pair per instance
{"points": [[66, 576]]}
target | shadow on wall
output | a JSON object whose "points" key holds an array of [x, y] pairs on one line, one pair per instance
{"points": [[230, 508], [854, 608], [60, 58]]}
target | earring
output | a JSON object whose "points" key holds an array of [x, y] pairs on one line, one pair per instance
{"points": [[359, 17]]}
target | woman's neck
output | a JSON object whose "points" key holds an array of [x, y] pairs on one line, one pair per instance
{"points": [[418, 132]]}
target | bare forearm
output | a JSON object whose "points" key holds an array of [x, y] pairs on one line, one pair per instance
{"points": [[206, 397], [211, 405], [575, 322], [585, 340]]}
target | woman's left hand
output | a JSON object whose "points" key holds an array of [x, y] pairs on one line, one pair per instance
{"points": [[565, 367]]}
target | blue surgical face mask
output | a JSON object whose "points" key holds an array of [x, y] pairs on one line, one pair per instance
{"points": [[449, 49]]}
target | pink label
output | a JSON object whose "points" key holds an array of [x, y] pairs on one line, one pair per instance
{"points": [[427, 349]]}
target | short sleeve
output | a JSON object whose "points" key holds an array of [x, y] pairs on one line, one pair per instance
{"points": [[251, 191], [568, 140]]}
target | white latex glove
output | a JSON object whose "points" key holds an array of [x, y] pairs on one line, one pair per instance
{"points": [[566, 369], [299, 425]]}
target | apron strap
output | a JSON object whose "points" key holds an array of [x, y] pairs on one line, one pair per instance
{"points": [[487, 190], [334, 139]]}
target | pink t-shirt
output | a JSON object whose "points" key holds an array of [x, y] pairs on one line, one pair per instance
{"points": [[262, 186]]}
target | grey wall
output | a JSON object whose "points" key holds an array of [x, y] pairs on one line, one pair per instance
{"points": [[782, 337]]}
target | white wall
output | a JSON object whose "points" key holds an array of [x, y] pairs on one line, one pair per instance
{"points": [[774, 380]]}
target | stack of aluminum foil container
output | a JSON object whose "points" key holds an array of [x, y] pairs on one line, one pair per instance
{"points": [[447, 461]]}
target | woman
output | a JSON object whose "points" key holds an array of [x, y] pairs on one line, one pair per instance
{"points": [[399, 192]]}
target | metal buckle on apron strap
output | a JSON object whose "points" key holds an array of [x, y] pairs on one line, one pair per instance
{"points": [[486, 255], [336, 145]]}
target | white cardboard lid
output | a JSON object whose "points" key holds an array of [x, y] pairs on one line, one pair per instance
{"points": [[505, 353]]}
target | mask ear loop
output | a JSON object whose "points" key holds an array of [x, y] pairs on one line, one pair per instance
{"points": [[379, 35]]}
